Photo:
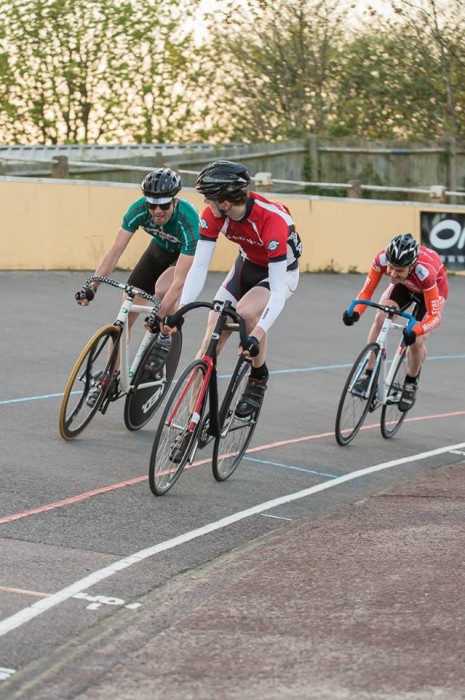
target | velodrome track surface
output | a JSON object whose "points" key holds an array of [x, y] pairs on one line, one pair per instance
{"points": [[314, 572]]}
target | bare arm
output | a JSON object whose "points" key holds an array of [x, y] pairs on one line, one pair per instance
{"points": [[111, 257]]}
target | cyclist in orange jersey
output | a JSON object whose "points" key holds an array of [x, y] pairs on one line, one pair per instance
{"points": [[415, 273]]}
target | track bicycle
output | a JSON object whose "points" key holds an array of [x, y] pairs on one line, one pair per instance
{"points": [[185, 424], [384, 387], [95, 381]]}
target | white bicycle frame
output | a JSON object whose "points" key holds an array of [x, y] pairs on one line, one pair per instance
{"points": [[127, 369], [385, 379]]}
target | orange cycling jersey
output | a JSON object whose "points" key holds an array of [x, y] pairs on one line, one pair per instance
{"points": [[427, 277]]}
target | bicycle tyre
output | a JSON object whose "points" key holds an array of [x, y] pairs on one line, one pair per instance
{"points": [[173, 430], [235, 433], [353, 409], [391, 417], [143, 401], [75, 414]]}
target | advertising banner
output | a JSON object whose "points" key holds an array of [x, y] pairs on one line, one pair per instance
{"points": [[445, 233]]}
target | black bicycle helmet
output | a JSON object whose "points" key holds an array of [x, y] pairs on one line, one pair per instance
{"points": [[222, 180], [402, 251], [161, 184]]}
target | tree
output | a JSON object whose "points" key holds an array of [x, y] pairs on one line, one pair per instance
{"points": [[277, 61], [403, 76], [164, 80], [95, 70]]}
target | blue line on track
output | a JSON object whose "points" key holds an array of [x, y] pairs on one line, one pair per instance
{"points": [[290, 466], [320, 368]]}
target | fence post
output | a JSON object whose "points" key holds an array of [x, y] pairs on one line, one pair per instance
{"points": [[314, 160], [453, 180], [437, 193], [263, 182], [60, 167], [356, 190]]}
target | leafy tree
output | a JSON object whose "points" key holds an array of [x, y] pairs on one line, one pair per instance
{"points": [[95, 70], [276, 66], [164, 79], [403, 75], [63, 56]]}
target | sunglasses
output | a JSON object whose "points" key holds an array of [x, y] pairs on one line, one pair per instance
{"points": [[163, 207]]}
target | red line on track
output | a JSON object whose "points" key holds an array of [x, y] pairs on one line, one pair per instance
{"points": [[137, 480]]}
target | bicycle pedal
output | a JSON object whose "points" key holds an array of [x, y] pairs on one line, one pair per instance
{"points": [[359, 394]]}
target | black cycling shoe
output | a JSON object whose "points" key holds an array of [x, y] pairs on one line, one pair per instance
{"points": [[96, 389], [252, 397], [158, 355], [361, 385], [179, 447], [408, 396]]}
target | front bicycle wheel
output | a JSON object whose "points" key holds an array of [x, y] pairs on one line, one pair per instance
{"points": [[177, 431], [150, 385], [89, 382], [391, 417], [235, 433], [353, 405]]}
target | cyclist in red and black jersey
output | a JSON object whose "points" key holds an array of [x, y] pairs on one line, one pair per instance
{"points": [[265, 273], [415, 273]]}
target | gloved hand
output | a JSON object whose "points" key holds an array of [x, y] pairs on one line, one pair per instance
{"points": [[253, 345], [86, 295], [409, 336], [152, 323], [171, 323], [350, 319]]}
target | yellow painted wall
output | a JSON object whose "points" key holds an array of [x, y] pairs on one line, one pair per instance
{"points": [[68, 225]]}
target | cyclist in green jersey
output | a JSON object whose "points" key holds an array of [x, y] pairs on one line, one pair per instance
{"points": [[173, 224]]}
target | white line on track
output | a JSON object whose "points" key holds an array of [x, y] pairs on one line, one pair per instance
{"points": [[23, 616]]}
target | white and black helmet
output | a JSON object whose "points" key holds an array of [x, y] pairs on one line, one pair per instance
{"points": [[402, 251], [160, 184]]}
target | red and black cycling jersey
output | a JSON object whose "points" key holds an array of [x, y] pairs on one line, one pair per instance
{"points": [[266, 233]]}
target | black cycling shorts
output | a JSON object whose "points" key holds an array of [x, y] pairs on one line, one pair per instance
{"points": [[404, 297], [153, 262]]}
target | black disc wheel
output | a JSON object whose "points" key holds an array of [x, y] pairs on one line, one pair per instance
{"points": [[151, 383], [89, 382], [176, 434], [354, 405]]}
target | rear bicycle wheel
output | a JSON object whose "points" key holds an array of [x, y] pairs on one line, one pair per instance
{"points": [[391, 417], [150, 385], [353, 407], [175, 436], [93, 370], [235, 433]]}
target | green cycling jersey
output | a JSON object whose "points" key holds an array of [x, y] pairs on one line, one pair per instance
{"points": [[179, 235]]}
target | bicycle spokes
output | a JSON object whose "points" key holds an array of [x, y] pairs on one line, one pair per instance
{"points": [[89, 383], [176, 434], [356, 400], [235, 431], [391, 417]]}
